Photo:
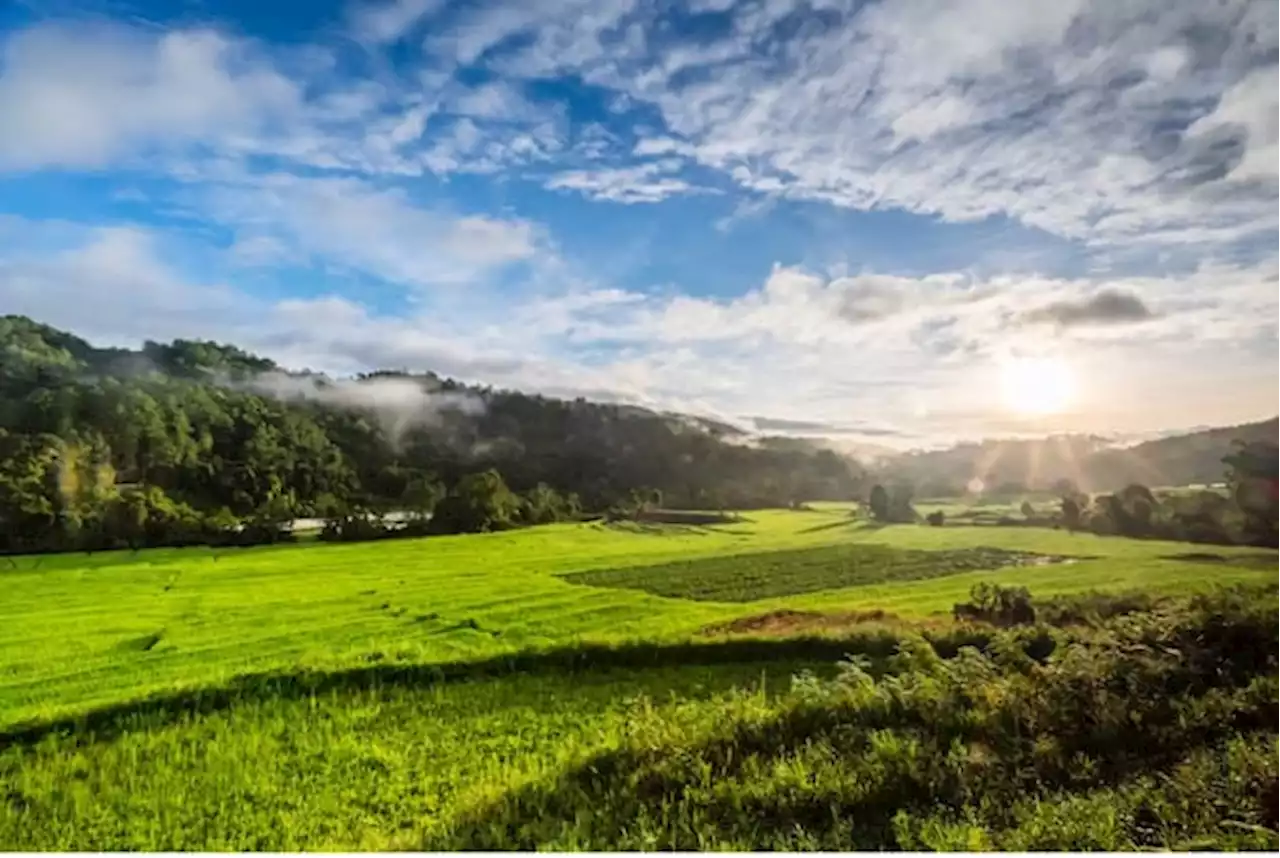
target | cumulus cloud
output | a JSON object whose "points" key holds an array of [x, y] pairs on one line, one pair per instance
{"points": [[778, 349], [83, 96], [105, 282], [369, 229], [1108, 307]]}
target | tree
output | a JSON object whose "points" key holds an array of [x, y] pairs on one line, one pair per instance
{"points": [[543, 505], [478, 503], [1137, 506], [1027, 510], [420, 497], [879, 503], [145, 516], [1071, 512], [1252, 474], [199, 422], [900, 508]]}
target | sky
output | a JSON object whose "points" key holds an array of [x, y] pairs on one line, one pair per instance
{"points": [[847, 219]]}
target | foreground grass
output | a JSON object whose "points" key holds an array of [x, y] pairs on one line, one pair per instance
{"points": [[357, 766], [1154, 725], [78, 632], [1156, 729]]}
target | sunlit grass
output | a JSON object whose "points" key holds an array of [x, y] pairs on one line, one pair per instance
{"points": [[79, 631]]}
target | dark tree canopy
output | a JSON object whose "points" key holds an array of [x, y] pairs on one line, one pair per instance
{"points": [[195, 441]]}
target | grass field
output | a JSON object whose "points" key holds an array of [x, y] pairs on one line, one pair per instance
{"points": [[771, 574], [371, 695]]}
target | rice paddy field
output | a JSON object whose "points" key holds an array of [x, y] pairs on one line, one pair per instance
{"points": [[637, 686]]}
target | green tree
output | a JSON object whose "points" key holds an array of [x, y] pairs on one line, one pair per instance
{"points": [[543, 505], [1252, 474], [879, 503], [479, 502], [420, 496], [1071, 512]]}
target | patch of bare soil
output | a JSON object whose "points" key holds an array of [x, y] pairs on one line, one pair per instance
{"points": [[786, 622]]}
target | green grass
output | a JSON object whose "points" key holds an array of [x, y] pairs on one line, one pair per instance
{"points": [[78, 632], [367, 766], [768, 575], [454, 691], [668, 749], [1155, 731]]}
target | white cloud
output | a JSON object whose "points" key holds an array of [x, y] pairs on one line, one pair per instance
{"points": [[85, 96], [1066, 117], [110, 285], [640, 184], [662, 146], [1123, 126], [1251, 104], [854, 350], [371, 230], [252, 251], [385, 21]]}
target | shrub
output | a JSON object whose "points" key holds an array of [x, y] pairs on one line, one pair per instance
{"points": [[936, 518], [1000, 606]]}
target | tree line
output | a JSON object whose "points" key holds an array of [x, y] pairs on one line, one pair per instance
{"points": [[1011, 467], [186, 442], [1246, 514]]}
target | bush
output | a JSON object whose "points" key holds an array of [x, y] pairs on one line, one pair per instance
{"points": [[997, 605], [354, 528], [937, 518], [544, 505]]}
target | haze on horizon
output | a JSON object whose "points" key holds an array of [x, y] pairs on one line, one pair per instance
{"points": [[889, 223]]}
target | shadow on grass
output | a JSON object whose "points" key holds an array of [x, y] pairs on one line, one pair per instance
{"points": [[1244, 561], [109, 722], [676, 794], [849, 523], [599, 802]]}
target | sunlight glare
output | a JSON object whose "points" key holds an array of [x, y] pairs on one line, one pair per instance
{"points": [[1036, 386]]}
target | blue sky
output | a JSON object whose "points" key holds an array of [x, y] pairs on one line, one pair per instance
{"points": [[856, 216]]}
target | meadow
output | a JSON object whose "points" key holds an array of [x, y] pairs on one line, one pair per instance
{"points": [[449, 691]]}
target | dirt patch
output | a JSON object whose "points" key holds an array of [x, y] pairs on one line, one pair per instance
{"points": [[786, 622]]}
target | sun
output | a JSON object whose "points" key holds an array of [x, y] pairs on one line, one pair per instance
{"points": [[1036, 386]]}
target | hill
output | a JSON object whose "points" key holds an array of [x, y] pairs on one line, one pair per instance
{"points": [[210, 434], [1091, 462]]}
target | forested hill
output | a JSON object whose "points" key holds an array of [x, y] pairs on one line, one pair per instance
{"points": [[1089, 462], [218, 429]]}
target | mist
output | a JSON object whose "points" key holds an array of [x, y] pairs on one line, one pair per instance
{"points": [[399, 403]]}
